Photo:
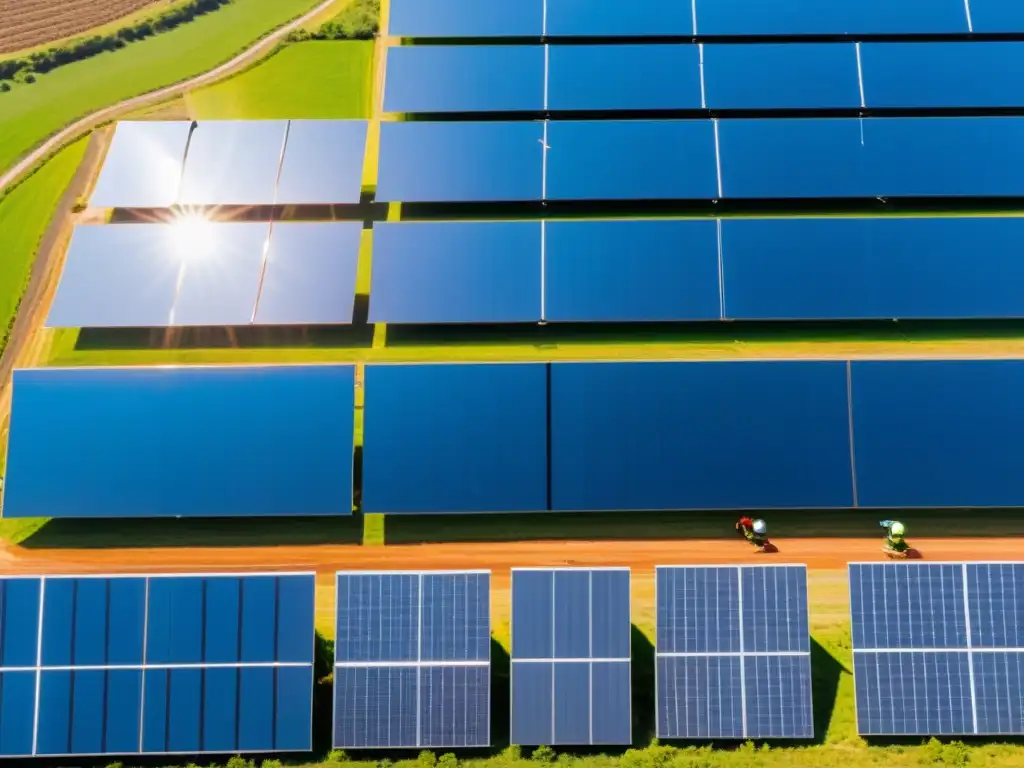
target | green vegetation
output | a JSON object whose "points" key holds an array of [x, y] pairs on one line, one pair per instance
{"points": [[311, 80], [47, 60], [25, 214], [359, 21], [29, 114]]}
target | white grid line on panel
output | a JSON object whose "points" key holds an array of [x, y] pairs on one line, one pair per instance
{"points": [[954, 649], [544, 164], [703, 95], [39, 663], [615, 660], [970, 657], [693, 15], [145, 642], [477, 572], [547, 74], [543, 270], [544, 19], [419, 659], [743, 671], [145, 667], [590, 651], [554, 637], [541, 569], [718, 157], [721, 272], [967, 11], [853, 444], [183, 575], [860, 75]]}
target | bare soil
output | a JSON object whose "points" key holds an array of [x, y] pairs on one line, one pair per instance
{"points": [[28, 23]]}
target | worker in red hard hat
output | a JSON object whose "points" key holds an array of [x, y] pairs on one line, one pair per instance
{"points": [[754, 531]]}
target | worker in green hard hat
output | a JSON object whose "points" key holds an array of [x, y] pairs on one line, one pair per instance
{"points": [[895, 544]]}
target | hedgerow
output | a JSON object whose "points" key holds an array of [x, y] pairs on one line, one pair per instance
{"points": [[359, 21]]}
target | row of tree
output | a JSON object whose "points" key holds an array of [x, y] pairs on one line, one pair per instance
{"points": [[359, 21]]}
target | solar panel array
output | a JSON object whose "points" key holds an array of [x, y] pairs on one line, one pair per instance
{"points": [[937, 648], [412, 660], [733, 652], [208, 274], [718, 76], [705, 18], [230, 441], [586, 271], [571, 656], [232, 162], [155, 664]]}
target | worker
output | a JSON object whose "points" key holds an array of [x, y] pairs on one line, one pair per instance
{"points": [[754, 531], [894, 532]]}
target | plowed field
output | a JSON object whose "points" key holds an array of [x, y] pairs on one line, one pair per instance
{"points": [[28, 23]]}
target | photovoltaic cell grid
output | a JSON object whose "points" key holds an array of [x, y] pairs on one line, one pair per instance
{"points": [[570, 656], [938, 648], [412, 660], [718, 76], [232, 162], [156, 664], [197, 273], [733, 652]]}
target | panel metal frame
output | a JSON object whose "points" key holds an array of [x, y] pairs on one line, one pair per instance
{"points": [[967, 648], [741, 654], [39, 668], [627, 659], [419, 664]]}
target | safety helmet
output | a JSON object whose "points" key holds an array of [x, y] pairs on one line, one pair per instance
{"points": [[897, 529], [760, 527]]}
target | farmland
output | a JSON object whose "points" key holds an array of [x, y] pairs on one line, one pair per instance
{"points": [[29, 23]]}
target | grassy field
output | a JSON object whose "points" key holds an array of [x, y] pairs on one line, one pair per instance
{"points": [[308, 80], [30, 113], [25, 213]]}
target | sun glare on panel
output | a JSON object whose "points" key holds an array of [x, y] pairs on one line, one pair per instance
{"points": [[193, 236]]}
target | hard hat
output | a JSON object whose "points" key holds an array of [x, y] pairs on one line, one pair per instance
{"points": [[760, 527], [897, 529]]}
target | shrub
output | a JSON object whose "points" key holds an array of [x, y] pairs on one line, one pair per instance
{"points": [[270, 764], [337, 756], [4, 87], [447, 760], [427, 759], [240, 762], [359, 21], [543, 754]]}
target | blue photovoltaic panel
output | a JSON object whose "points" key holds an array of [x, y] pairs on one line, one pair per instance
{"points": [[309, 277], [939, 433], [456, 272], [233, 162], [466, 18], [465, 78], [631, 160], [142, 169], [795, 158], [831, 17], [19, 631], [781, 76], [945, 156], [488, 455], [641, 271], [733, 652], [108, 676], [936, 75], [412, 659], [690, 427], [286, 429], [988, 16], [936, 650], [460, 162], [323, 162], [884, 268], [609, 77], [604, 18], [570, 656]]}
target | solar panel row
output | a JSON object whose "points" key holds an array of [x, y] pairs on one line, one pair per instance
{"points": [[196, 273], [232, 162], [155, 664], [699, 269], [685, 18], [180, 441], [802, 434], [701, 159], [412, 660], [571, 656], [936, 648], [733, 652], [686, 76]]}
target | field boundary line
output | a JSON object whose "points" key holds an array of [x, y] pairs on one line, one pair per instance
{"points": [[97, 118]]}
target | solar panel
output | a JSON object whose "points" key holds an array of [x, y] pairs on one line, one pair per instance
{"points": [[733, 652], [156, 664], [465, 78], [323, 162], [142, 169], [570, 656], [772, 268], [466, 18], [488, 455], [831, 17], [179, 439], [631, 271], [934, 648], [412, 659], [309, 276], [995, 16], [604, 18], [781, 76], [783, 426], [446, 272], [233, 162]]}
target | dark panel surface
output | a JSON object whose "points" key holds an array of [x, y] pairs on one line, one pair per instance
{"points": [[466, 18], [604, 18]]}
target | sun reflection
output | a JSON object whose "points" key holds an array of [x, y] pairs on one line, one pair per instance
{"points": [[193, 236]]}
